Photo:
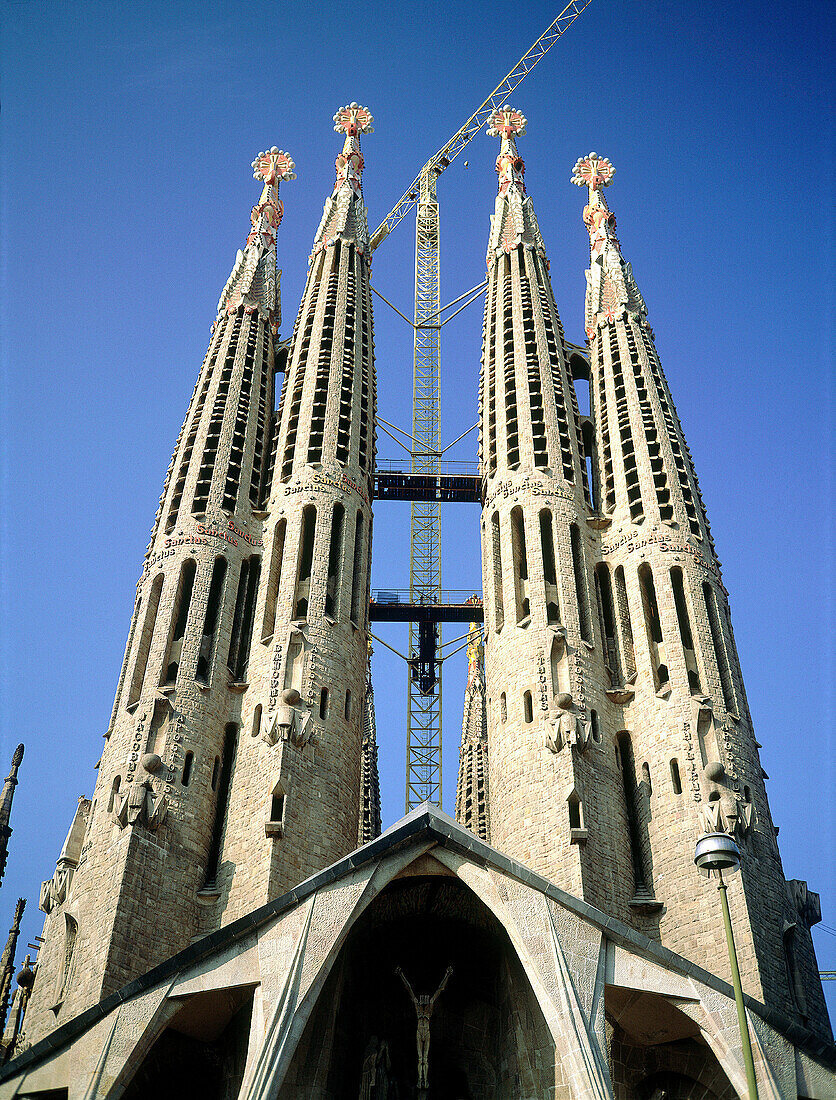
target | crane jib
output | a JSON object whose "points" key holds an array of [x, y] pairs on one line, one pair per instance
{"points": [[451, 149]]}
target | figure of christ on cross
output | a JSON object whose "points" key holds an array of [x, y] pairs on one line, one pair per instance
{"points": [[424, 1006]]}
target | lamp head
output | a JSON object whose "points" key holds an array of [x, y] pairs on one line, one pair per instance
{"points": [[717, 852]]}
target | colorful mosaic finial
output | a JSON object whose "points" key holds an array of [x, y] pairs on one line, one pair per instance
{"points": [[508, 123], [611, 290], [351, 120], [596, 173], [593, 172], [253, 281], [271, 167]]}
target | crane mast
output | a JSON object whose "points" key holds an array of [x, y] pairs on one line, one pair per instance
{"points": [[423, 730], [423, 755]]}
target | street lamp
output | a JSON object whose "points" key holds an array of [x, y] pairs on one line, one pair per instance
{"points": [[719, 852]]}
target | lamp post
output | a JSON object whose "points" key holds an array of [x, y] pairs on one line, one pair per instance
{"points": [[719, 852]]}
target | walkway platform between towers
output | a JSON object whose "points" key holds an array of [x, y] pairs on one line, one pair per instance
{"points": [[394, 605], [301, 996], [450, 482]]}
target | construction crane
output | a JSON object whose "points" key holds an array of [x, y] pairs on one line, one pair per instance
{"points": [[423, 749]]}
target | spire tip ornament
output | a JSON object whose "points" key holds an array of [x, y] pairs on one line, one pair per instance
{"points": [[274, 166], [353, 119], [507, 121], [593, 172]]}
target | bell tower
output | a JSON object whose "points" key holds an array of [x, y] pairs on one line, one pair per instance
{"points": [[537, 553], [675, 710]]}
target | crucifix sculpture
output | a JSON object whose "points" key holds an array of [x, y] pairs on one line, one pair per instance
{"points": [[424, 1005]]}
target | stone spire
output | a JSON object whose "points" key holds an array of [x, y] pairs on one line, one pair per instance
{"points": [[666, 685], [6, 807], [611, 289], [329, 378], [616, 314], [514, 222], [345, 216], [7, 962], [159, 807], [253, 281], [307, 676], [370, 824], [472, 800]]}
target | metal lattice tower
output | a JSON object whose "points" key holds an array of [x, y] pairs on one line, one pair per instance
{"points": [[423, 761], [423, 746]]}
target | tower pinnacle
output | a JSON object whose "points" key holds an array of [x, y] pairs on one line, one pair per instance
{"points": [[507, 123], [344, 217], [253, 282], [6, 806], [611, 290], [514, 222]]}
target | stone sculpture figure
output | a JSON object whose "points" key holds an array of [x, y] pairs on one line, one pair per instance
{"points": [[566, 727], [374, 1084], [424, 1006]]}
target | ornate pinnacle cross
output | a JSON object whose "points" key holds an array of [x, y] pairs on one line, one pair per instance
{"points": [[507, 123], [351, 120], [272, 167], [593, 172], [596, 173]]}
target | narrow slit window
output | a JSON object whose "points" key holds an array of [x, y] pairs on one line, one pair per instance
{"points": [[631, 799], [242, 623], [301, 603], [625, 624], [188, 764], [335, 557], [503, 707], [496, 543], [357, 615], [520, 561], [579, 569], [606, 607], [347, 710], [685, 634], [277, 807], [174, 650], [676, 778], [528, 712], [274, 580], [575, 816], [145, 639], [653, 626], [221, 803], [595, 723], [113, 801], [323, 704], [256, 726], [70, 937], [210, 623], [720, 651], [549, 568]]}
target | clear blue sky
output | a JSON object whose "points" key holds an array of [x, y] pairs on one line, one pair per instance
{"points": [[128, 131]]}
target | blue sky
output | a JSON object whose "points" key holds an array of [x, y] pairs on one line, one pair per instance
{"points": [[128, 131]]}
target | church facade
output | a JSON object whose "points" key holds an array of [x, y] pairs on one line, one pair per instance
{"points": [[225, 920]]}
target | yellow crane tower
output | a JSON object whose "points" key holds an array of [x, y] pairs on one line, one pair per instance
{"points": [[426, 485]]}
